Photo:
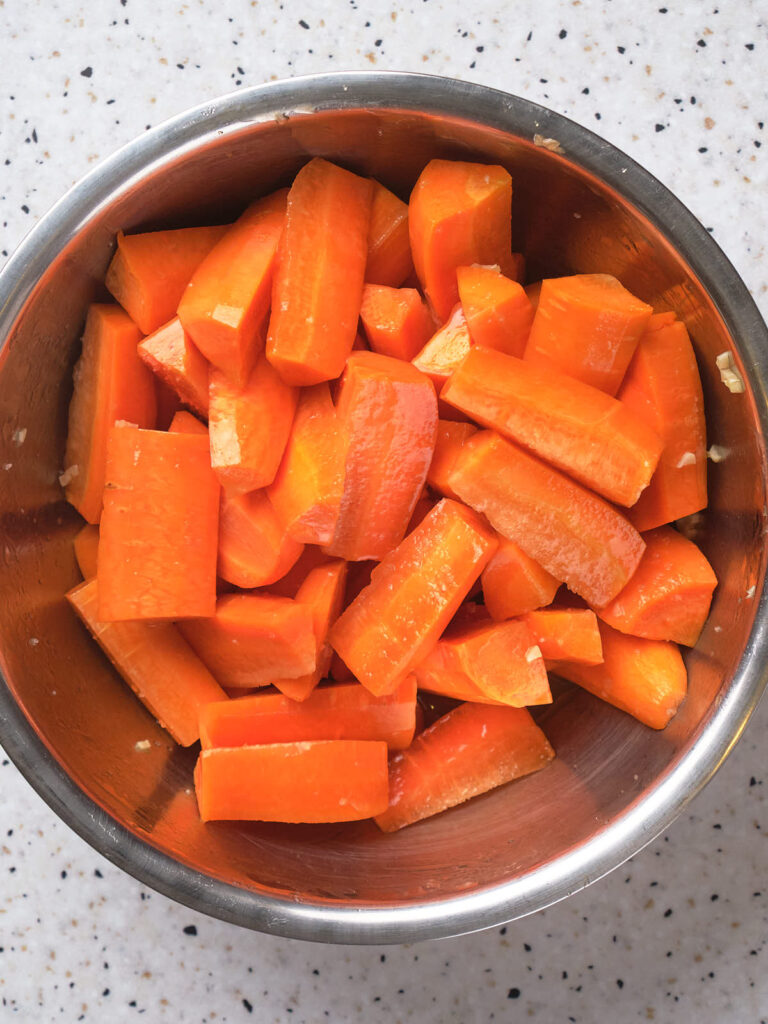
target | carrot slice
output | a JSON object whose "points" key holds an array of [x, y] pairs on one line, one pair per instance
{"points": [[319, 278], [156, 662], [451, 438], [288, 585], [645, 678], [388, 412], [149, 271], [249, 427], [389, 247], [170, 354], [324, 780], [445, 350], [159, 530], [573, 534], [669, 595], [396, 320], [514, 583], [254, 549], [663, 387], [225, 305], [459, 214], [566, 634], [412, 596], [87, 550], [254, 638], [111, 383], [577, 428], [497, 310], [184, 422], [472, 749], [587, 326]]}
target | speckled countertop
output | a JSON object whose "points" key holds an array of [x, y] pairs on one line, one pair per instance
{"points": [[679, 933]]}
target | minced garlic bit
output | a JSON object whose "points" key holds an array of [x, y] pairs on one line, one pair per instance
{"points": [[551, 144], [751, 592], [68, 475], [717, 453], [143, 745], [19, 436], [686, 459], [724, 361], [729, 375], [533, 653]]}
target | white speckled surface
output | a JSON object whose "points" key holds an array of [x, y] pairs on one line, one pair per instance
{"points": [[676, 935]]}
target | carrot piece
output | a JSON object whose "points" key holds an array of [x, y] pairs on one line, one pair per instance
{"points": [[253, 639], [111, 383], [254, 549], [319, 278], [249, 427], [580, 430], [157, 552], [472, 749], [459, 213], [345, 711], [307, 489], [150, 271], [388, 413], [573, 534], [184, 422], [224, 307], [156, 662], [316, 781], [445, 350], [497, 310], [451, 437], [288, 585], [645, 678], [514, 583], [167, 403], [566, 634], [533, 291], [587, 326], [663, 387], [389, 247], [412, 596], [396, 320], [669, 595], [87, 550], [170, 354]]}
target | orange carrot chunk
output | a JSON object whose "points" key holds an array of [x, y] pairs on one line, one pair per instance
{"points": [[412, 596], [87, 550], [184, 422], [587, 326], [573, 534], [445, 350], [288, 585], [225, 305], [156, 662], [170, 354], [566, 634], [319, 278], [254, 549], [514, 583], [396, 320], [320, 781], [459, 213], [159, 530], [388, 413], [451, 437], [389, 247], [149, 271], [577, 428], [669, 595], [663, 387], [472, 749], [111, 383], [497, 310]]}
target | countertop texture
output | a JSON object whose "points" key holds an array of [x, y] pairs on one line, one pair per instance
{"points": [[678, 934]]}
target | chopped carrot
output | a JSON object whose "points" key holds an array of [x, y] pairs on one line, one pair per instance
{"points": [[472, 749], [389, 247], [497, 310], [566, 634], [170, 353], [310, 558], [111, 383], [533, 291], [514, 583], [451, 437], [396, 320], [445, 350], [184, 422], [159, 529], [319, 278], [167, 403], [87, 550], [224, 307], [254, 549]]}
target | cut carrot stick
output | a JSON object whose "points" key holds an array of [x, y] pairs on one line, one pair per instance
{"points": [[345, 711], [445, 350], [587, 326], [497, 310], [669, 595], [459, 213], [577, 428], [514, 583], [168, 404], [388, 412], [472, 749], [159, 530], [254, 549], [149, 271], [224, 307], [184, 422], [307, 489], [663, 387], [389, 247], [573, 534], [413, 595], [566, 634], [288, 585], [320, 781], [319, 278], [111, 383], [253, 639], [170, 353], [645, 678], [396, 320], [249, 427], [451, 437], [87, 550], [156, 662]]}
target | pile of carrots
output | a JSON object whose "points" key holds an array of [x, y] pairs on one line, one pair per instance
{"points": [[335, 455]]}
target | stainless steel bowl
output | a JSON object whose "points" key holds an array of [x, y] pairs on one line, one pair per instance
{"points": [[71, 726]]}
